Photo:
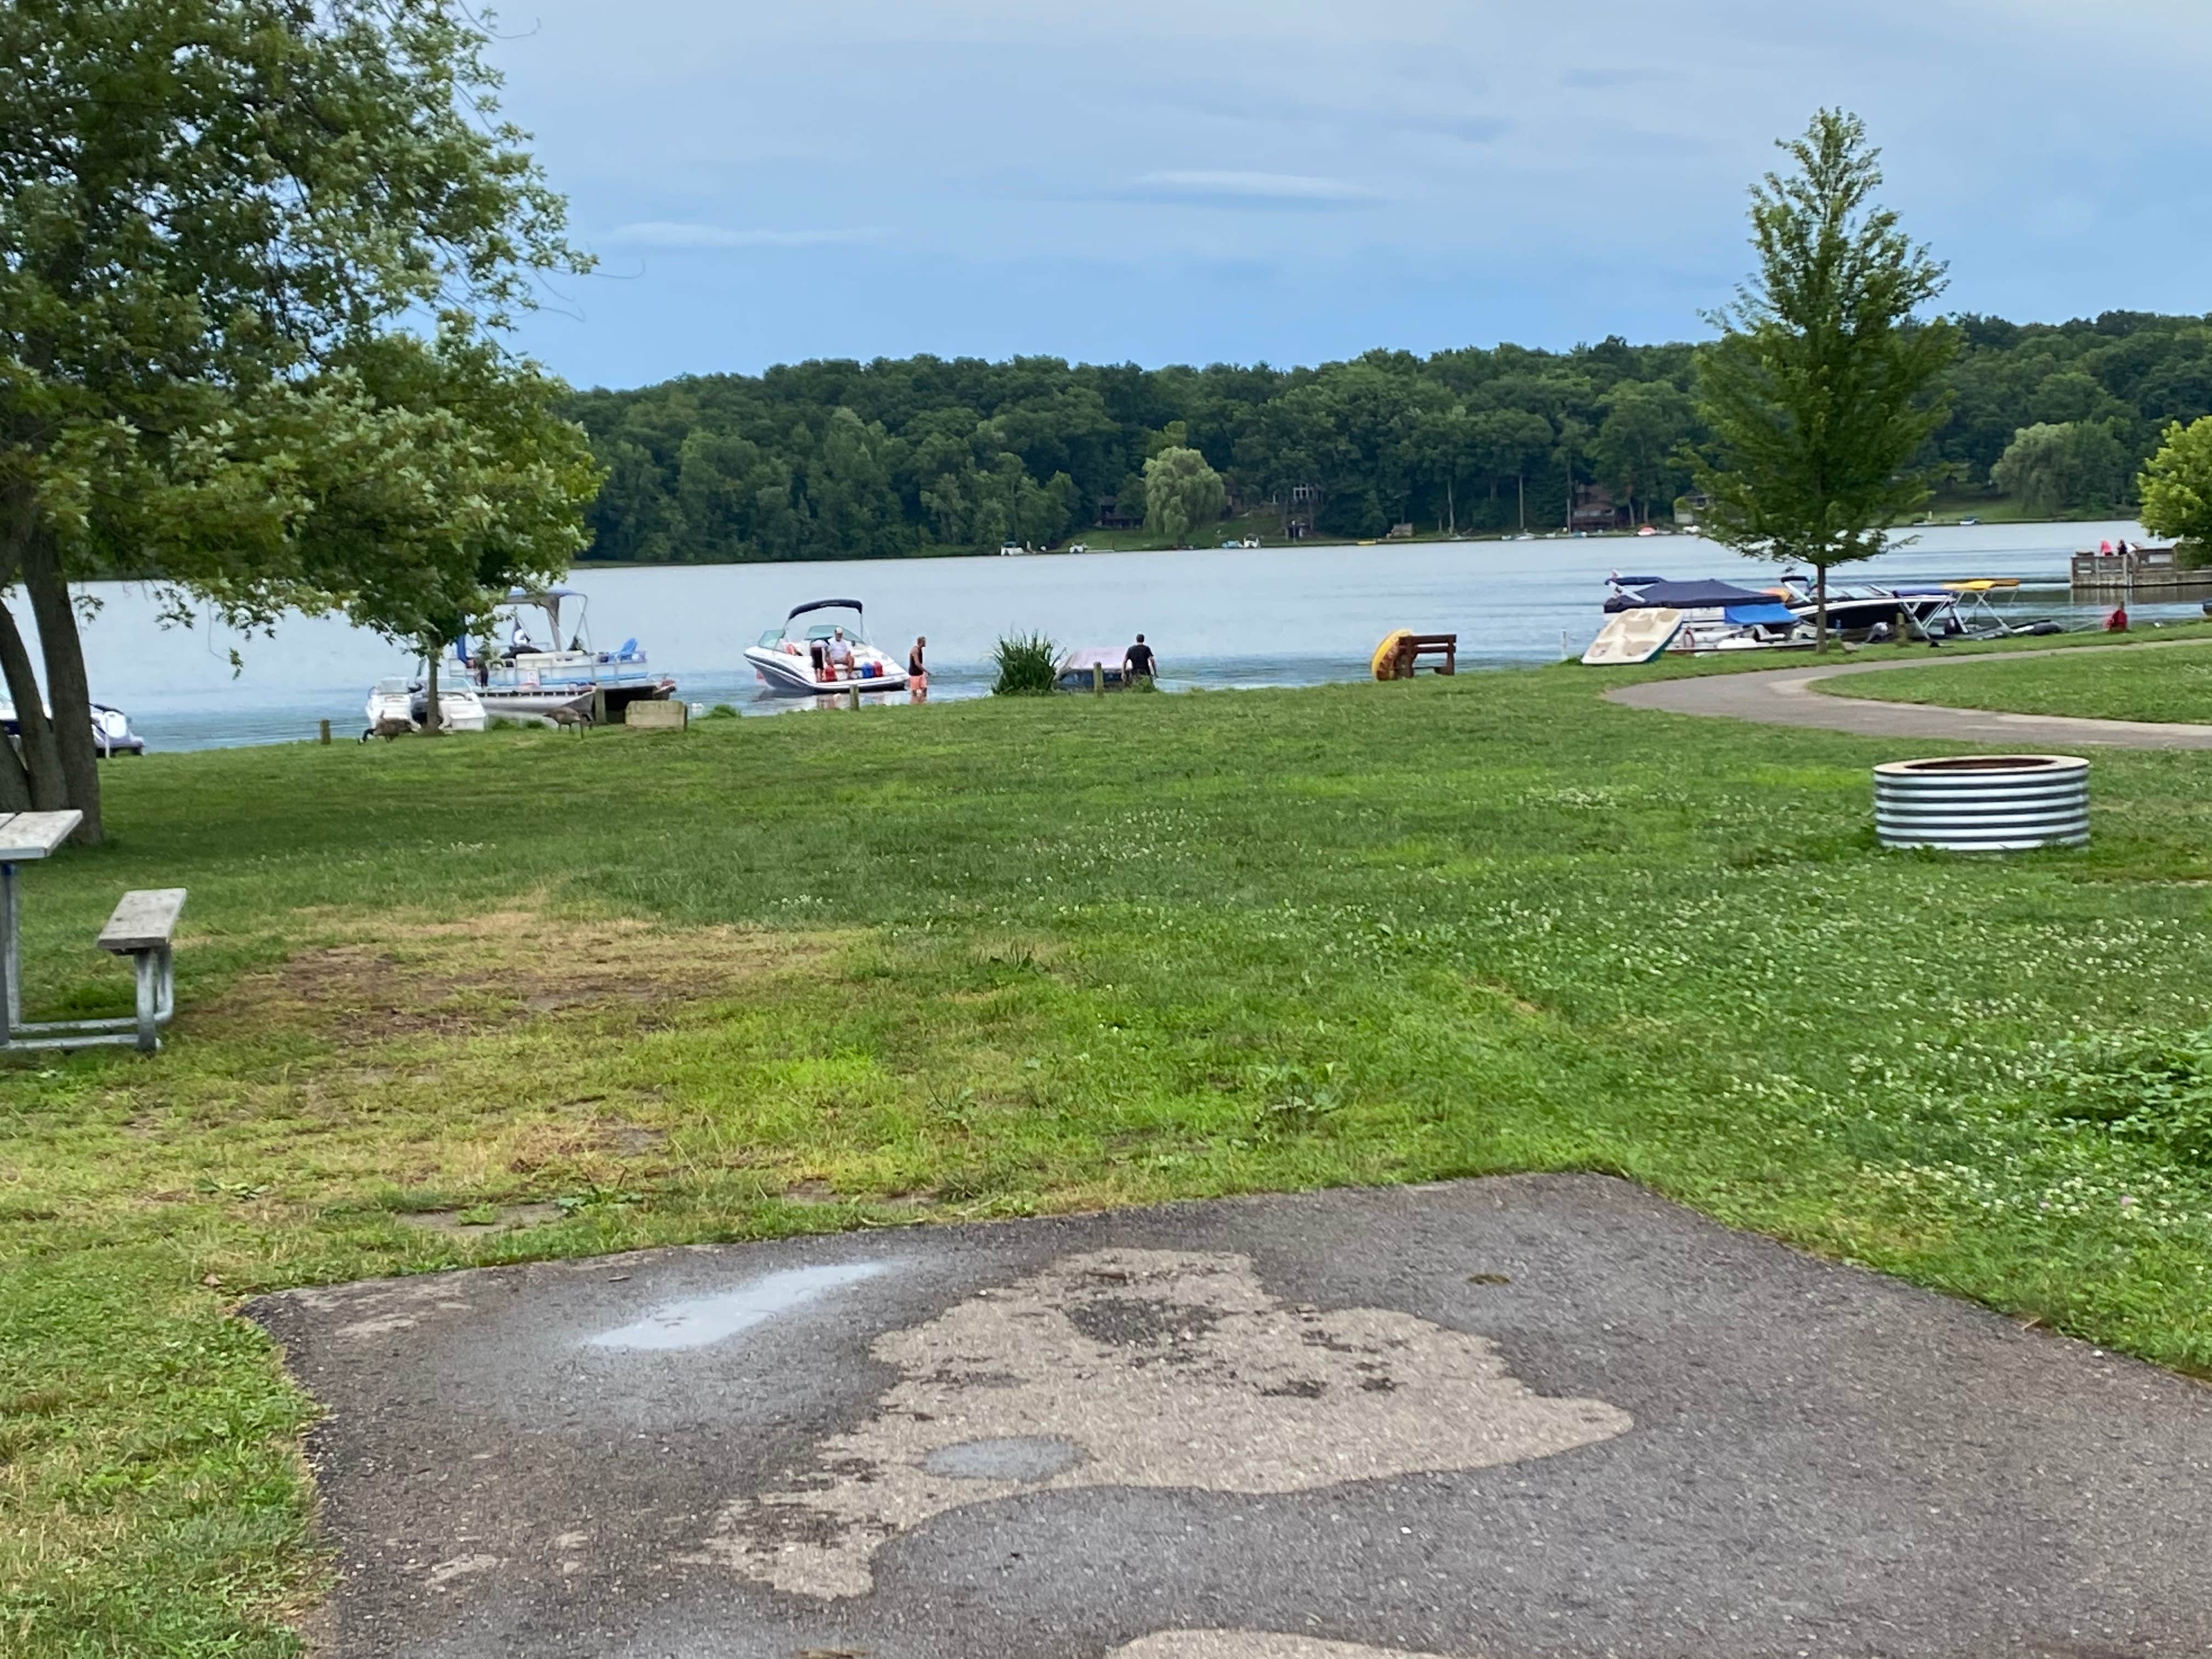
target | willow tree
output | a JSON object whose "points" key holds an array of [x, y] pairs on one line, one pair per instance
{"points": [[1182, 492], [210, 213], [1822, 386]]}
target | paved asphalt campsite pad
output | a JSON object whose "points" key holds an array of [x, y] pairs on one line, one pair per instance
{"points": [[1522, 1416]]}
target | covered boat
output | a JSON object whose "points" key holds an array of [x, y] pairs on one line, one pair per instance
{"points": [[1711, 615], [1075, 668], [829, 654]]}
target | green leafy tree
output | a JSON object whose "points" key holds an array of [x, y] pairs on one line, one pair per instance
{"points": [[2177, 489], [1509, 440], [1822, 386], [207, 209], [1645, 425], [438, 476], [1182, 492], [2055, 468]]}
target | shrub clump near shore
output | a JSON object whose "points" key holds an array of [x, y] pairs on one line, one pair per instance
{"points": [[1029, 666]]}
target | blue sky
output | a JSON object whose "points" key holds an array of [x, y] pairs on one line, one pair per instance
{"points": [[1295, 180]]}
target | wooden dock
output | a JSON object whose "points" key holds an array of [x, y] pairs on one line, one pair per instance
{"points": [[2142, 569]]}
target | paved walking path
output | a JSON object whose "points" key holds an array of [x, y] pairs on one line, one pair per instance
{"points": [[1499, 1420], [1784, 697]]}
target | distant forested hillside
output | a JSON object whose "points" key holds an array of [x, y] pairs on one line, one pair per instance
{"points": [[821, 461]]}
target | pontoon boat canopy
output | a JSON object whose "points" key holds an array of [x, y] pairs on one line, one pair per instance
{"points": [[1685, 596]]}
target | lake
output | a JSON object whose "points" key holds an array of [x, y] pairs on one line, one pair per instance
{"points": [[1279, 616]]}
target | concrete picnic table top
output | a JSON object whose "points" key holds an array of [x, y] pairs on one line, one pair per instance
{"points": [[1545, 1415], [26, 835]]}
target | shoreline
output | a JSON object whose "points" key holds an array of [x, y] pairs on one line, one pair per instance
{"points": [[1535, 538]]}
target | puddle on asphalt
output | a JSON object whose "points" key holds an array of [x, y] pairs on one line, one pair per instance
{"points": [[1019, 1457], [699, 1321]]}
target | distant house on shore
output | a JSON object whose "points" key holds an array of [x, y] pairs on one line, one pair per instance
{"points": [[1304, 510], [1596, 509], [1110, 516]]}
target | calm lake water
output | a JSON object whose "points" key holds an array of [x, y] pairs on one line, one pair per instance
{"points": [[1281, 616]]}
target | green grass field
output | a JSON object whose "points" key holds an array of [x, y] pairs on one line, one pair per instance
{"points": [[534, 994], [2126, 685]]}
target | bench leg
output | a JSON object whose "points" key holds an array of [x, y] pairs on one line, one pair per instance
{"points": [[152, 972]]}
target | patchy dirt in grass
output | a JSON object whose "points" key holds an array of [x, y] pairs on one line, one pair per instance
{"points": [[401, 978]]}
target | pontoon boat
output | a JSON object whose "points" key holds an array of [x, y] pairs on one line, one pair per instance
{"points": [[525, 675]]}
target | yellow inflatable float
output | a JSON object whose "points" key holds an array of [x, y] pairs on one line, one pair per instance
{"points": [[1386, 654]]}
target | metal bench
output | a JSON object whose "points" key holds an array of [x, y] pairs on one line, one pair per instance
{"points": [[141, 928]]}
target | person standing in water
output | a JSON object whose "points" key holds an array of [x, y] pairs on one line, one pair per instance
{"points": [[917, 673], [1138, 662]]}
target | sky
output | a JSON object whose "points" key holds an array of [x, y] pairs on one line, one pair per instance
{"points": [[1295, 181]]}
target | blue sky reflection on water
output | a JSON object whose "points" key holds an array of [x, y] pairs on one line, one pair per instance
{"points": [[1219, 617]]}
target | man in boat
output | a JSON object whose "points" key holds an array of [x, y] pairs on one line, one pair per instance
{"points": [[840, 652], [1138, 661], [820, 659]]}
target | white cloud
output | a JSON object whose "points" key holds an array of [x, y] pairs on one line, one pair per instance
{"points": [[1259, 189], [668, 232]]}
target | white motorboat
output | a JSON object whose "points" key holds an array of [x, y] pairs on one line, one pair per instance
{"points": [[543, 679], [397, 704], [801, 660], [110, 729]]}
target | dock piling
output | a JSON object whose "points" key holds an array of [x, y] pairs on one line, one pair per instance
{"points": [[325, 736]]}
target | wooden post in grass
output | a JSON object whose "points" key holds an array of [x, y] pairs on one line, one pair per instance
{"points": [[598, 705], [325, 736], [1097, 679]]}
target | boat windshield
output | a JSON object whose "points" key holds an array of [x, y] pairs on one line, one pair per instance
{"points": [[392, 686]]}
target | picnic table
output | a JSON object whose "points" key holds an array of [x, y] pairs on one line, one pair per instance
{"points": [[140, 928]]}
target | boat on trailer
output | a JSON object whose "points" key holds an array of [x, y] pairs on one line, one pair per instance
{"points": [[794, 660], [530, 679]]}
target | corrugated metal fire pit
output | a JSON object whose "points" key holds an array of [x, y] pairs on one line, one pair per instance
{"points": [[1983, 803]]}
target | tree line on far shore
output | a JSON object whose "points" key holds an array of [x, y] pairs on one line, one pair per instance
{"points": [[844, 459]]}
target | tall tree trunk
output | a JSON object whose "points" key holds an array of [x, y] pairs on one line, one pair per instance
{"points": [[14, 781], [1521, 486], [67, 686], [432, 716], [1820, 611], [46, 788]]}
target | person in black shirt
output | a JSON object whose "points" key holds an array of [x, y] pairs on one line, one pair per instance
{"points": [[1138, 662]]}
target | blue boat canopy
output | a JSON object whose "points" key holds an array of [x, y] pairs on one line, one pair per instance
{"points": [[1772, 614], [1686, 596]]}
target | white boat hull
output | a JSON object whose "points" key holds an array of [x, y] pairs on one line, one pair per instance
{"points": [[458, 711], [792, 676]]}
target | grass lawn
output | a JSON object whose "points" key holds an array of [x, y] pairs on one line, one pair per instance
{"points": [[535, 993], [2127, 685]]}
